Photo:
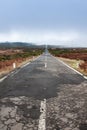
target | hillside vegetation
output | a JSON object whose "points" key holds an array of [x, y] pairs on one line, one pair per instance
{"points": [[73, 54], [18, 56]]}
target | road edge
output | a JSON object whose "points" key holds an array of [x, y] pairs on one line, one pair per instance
{"points": [[85, 77]]}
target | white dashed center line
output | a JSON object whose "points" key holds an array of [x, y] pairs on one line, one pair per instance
{"points": [[45, 65], [42, 119], [3, 78]]}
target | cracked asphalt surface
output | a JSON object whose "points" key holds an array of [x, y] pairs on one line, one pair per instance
{"points": [[65, 92]]}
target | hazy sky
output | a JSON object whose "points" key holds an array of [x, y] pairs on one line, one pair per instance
{"points": [[61, 22]]}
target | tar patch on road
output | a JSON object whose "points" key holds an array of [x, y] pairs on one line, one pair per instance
{"points": [[83, 127], [32, 112]]}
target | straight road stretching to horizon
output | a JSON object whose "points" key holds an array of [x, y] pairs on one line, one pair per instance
{"points": [[43, 95]]}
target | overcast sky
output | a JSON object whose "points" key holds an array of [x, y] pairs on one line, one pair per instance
{"points": [[61, 22]]}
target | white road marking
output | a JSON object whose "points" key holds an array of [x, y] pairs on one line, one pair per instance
{"points": [[25, 65], [69, 66], [12, 72], [15, 72], [30, 62], [42, 119], [85, 77], [45, 58], [45, 65], [3, 78]]}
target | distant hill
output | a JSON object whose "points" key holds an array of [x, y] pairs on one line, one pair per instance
{"points": [[8, 45], [16, 45]]}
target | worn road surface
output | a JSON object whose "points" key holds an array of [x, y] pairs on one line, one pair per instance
{"points": [[43, 95]]}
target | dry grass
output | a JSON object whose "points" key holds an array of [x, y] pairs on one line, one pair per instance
{"points": [[74, 64], [7, 69]]}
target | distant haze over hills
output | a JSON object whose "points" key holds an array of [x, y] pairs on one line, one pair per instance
{"points": [[16, 45], [25, 45], [4, 45]]}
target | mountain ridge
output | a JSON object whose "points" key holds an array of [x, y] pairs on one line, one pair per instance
{"points": [[16, 44]]}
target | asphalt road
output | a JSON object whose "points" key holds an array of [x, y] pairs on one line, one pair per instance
{"points": [[43, 95]]}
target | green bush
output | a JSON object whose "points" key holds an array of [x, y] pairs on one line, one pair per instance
{"points": [[25, 54]]}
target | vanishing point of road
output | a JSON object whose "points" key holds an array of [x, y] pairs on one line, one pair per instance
{"points": [[43, 95]]}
